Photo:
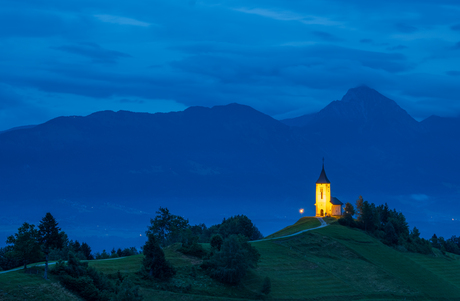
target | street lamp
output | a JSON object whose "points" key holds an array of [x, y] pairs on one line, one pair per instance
{"points": [[301, 211]]}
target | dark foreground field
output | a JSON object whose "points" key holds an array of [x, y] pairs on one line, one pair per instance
{"points": [[331, 263]]}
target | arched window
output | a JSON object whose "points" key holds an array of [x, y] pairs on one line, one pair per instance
{"points": [[321, 192]]}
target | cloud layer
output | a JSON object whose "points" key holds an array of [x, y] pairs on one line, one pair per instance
{"points": [[284, 58]]}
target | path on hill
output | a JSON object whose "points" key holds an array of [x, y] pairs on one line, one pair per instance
{"points": [[323, 224], [51, 263]]}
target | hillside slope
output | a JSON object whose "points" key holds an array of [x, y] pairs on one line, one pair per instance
{"points": [[324, 264]]}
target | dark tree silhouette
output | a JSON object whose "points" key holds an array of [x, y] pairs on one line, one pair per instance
{"points": [[167, 227], [26, 245], [154, 262], [230, 264], [86, 250], [217, 241], [359, 208], [49, 237], [349, 210]]}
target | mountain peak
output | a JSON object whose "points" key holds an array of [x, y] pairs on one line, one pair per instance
{"points": [[364, 106], [364, 94]]}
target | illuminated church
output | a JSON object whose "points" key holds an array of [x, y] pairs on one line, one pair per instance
{"points": [[325, 205]]}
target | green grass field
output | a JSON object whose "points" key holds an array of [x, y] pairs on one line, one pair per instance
{"points": [[302, 224], [331, 263]]}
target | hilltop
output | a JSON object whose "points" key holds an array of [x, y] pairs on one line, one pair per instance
{"points": [[322, 264]]}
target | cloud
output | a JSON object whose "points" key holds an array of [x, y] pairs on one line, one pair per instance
{"points": [[325, 36], [9, 98], [455, 27], [94, 52], [138, 101], [398, 47], [289, 16], [121, 20], [14, 107], [277, 56], [453, 73], [404, 28], [277, 15], [420, 197]]}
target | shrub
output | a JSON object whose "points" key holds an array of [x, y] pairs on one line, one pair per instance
{"points": [[266, 286], [90, 284], [216, 242], [128, 291], [195, 250], [230, 264]]}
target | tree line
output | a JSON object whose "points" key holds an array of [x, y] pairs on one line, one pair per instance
{"points": [[391, 227], [47, 242], [228, 259]]}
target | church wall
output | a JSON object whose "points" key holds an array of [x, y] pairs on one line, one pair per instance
{"points": [[321, 203], [336, 210]]}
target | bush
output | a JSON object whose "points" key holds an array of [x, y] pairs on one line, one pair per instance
{"points": [[348, 221], [128, 291], [90, 284], [195, 250], [266, 286], [230, 264], [216, 242]]}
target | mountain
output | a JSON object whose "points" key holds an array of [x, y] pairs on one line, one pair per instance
{"points": [[378, 136], [363, 110], [113, 170], [200, 152]]}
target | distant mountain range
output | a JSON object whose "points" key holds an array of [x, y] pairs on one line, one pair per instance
{"points": [[371, 146]]}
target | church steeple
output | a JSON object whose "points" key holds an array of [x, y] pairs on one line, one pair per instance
{"points": [[322, 177], [325, 205]]}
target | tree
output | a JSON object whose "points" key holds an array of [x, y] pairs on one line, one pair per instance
{"points": [[391, 238], [367, 216], [168, 228], [385, 214], [230, 264], [154, 261], [26, 246], [415, 233], [359, 208], [49, 237], [349, 210], [216, 242], [7, 260], [86, 250], [435, 242], [239, 225]]}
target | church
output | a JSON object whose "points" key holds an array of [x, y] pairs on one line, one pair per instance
{"points": [[325, 205]]}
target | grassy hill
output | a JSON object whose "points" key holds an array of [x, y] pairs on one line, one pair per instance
{"points": [[330, 263]]}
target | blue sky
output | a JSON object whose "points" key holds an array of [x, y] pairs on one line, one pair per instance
{"points": [[284, 58]]}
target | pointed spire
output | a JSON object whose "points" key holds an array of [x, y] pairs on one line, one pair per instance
{"points": [[322, 177]]}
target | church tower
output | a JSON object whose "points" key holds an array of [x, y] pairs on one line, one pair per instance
{"points": [[323, 195]]}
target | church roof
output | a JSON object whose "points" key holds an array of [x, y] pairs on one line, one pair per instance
{"points": [[335, 201], [323, 178]]}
